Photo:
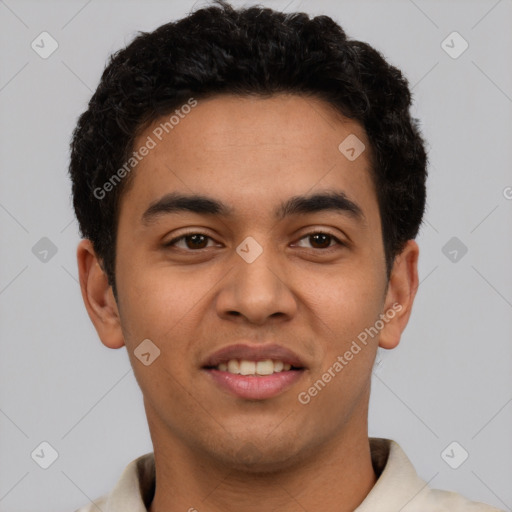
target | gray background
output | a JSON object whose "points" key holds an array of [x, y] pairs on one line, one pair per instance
{"points": [[450, 378]]}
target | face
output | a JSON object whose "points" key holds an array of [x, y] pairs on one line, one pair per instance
{"points": [[284, 262]]}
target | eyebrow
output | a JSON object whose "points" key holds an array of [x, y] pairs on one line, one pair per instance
{"points": [[174, 202]]}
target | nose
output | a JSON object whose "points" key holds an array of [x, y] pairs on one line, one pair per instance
{"points": [[257, 290]]}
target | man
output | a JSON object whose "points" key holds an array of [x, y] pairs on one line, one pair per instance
{"points": [[249, 185]]}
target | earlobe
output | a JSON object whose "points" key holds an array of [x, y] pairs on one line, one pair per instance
{"points": [[98, 297], [402, 288]]}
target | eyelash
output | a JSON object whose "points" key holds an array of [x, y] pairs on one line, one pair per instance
{"points": [[191, 233]]}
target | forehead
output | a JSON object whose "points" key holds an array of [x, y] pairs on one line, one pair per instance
{"points": [[247, 151]]}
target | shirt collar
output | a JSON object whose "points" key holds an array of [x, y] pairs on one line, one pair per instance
{"points": [[398, 487], [135, 488]]}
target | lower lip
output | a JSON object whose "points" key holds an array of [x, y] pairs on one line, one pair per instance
{"points": [[255, 387]]}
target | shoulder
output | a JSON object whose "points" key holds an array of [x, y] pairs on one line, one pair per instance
{"points": [[133, 490], [399, 487], [99, 504], [446, 501]]}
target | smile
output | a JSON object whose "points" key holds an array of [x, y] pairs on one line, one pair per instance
{"points": [[254, 380], [246, 367]]}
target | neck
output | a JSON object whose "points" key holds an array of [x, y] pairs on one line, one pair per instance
{"points": [[336, 478]]}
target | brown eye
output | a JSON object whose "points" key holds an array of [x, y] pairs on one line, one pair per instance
{"points": [[321, 240], [196, 241], [192, 241]]}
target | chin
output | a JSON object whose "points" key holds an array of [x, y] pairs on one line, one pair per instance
{"points": [[257, 456]]}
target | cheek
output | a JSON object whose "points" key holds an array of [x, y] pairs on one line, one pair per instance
{"points": [[347, 302], [344, 310], [161, 307], [152, 301]]}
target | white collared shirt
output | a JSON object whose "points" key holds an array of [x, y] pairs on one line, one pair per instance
{"points": [[398, 487]]}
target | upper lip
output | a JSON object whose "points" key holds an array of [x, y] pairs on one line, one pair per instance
{"points": [[253, 353]]}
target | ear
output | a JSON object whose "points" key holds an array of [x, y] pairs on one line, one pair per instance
{"points": [[98, 296], [402, 288]]}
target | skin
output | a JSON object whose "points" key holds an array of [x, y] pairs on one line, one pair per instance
{"points": [[214, 451]]}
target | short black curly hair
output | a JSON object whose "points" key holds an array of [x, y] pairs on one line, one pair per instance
{"points": [[249, 51]]}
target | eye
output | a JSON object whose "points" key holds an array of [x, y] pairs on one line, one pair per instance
{"points": [[191, 240], [196, 241], [322, 239]]}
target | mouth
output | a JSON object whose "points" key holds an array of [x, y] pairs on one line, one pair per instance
{"points": [[254, 372], [255, 368]]}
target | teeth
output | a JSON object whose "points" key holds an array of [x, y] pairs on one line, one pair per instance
{"points": [[233, 366], [245, 367], [266, 367], [278, 366]]}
